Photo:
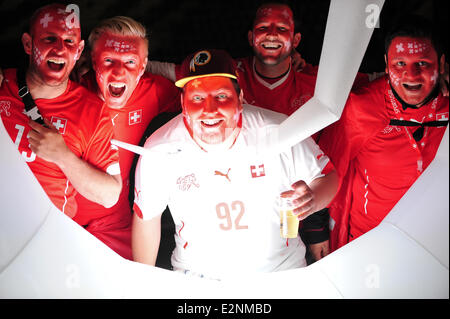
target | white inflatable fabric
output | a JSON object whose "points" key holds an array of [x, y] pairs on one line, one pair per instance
{"points": [[407, 255], [350, 25], [48, 255], [44, 254]]}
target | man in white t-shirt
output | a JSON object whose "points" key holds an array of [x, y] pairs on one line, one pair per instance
{"points": [[211, 166]]}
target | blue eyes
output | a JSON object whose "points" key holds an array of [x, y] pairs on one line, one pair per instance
{"points": [[221, 96], [421, 63]]}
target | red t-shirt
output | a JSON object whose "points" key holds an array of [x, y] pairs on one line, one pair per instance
{"points": [[152, 96], [79, 116], [285, 95], [379, 162]]}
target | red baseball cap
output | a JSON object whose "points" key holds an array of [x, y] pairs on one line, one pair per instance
{"points": [[205, 63]]}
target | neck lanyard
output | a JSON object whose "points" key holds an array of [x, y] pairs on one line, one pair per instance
{"points": [[400, 121], [31, 109]]}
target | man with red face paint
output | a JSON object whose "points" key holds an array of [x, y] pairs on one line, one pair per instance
{"points": [[389, 131], [213, 167], [119, 48], [267, 78], [70, 152]]}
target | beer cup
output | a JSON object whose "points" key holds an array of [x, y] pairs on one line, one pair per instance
{"points": [[288, 221]]}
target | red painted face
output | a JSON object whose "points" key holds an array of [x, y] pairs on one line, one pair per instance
{"points": [[272, 37], [119, 62], [413, 68], [56, 44], [211, 109]]}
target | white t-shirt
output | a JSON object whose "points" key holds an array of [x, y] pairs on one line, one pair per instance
{"points": [[224, 203]]}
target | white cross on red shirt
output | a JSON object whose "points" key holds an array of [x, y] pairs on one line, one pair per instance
{"points": [[135, 117], [60, 124]]}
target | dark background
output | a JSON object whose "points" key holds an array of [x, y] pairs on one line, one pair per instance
{"points": [[177, 28]]}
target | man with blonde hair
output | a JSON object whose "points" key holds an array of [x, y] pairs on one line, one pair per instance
{"points": [[119, 49]]}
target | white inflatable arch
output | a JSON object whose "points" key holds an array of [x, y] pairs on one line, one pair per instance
{"points": [[44, 254]]}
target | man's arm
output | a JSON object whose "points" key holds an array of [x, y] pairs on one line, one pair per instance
{"points": [[92, 183], [315, 233], [165, 69], [145, 239], [315, 196]]}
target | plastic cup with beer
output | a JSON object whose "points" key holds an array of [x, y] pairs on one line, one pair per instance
{"points": [[288, 220]]}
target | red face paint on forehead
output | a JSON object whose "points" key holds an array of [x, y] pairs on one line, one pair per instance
{"points": [[118, 43], [413, 68], [280, 12], [119, 62], [273, 33], [407, 46], [56, 19]]}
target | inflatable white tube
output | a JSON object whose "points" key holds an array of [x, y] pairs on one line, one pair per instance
{"points": [[56, 258], [350, 25], [406, 256]]}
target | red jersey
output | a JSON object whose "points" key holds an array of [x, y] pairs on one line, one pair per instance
{"points": [[379, 161], [152, 96], [80, 118], [285, 95]]}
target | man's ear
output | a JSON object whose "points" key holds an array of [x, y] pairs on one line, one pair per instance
{"points": [[144, 65], [181, 102], [80, 49], [386, 67], [250, 38], [241, 100], [297, 39], [27, 42], [442, 64]]}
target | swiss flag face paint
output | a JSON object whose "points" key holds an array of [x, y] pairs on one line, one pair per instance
{"points": [[56, 44], [273, 33], [119, 62], [413, 68], [211, 109]]}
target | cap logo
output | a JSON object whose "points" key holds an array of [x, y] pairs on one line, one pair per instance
{"points": [[200, 58]]}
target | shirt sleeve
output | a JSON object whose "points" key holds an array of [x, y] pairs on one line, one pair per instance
{"points": [[168, 96], [151, 191], [100, 152], [165, 69], [342, 140], [308, 162]]}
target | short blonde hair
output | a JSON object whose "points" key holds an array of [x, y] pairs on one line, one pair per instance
{"points": [[119, 25]]}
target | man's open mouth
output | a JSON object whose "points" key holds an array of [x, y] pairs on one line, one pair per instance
{"points": [[116, 89], [56, 64], [412, 87], [271, 45], [211, 123]]}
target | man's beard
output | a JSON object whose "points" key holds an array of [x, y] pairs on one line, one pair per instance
{"points": [[271, 60]]}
